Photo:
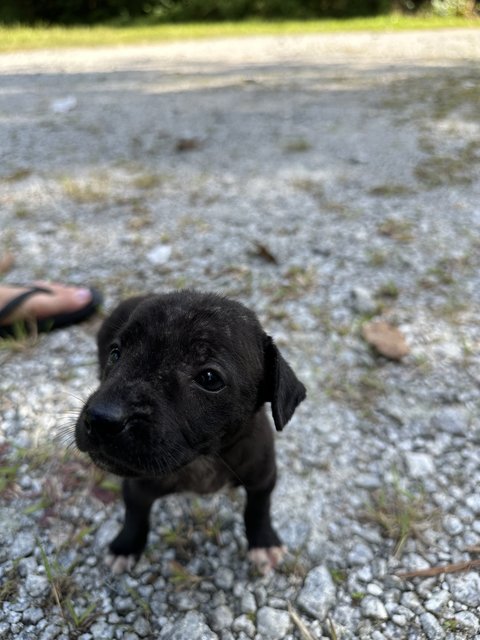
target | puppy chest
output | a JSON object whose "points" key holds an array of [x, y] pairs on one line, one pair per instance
{"points": [[203, 475]]}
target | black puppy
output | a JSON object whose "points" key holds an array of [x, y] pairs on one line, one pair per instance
{"points": [[184, 377]]}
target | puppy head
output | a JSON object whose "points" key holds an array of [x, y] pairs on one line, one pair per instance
{"points": [[181, 375]]}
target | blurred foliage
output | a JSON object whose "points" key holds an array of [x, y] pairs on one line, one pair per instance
{"points": [[124, 11]]}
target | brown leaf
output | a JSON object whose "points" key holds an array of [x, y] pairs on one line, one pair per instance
{"points": [[187, 144], [263, 252], [386, 339]]}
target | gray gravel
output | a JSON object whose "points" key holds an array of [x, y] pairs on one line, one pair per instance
{"points": [[322, 180]]}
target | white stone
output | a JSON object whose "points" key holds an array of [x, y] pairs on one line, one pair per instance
{"points": [[63, 105], [374, 608], [368, 481], [419, 464], [160, 254], [141, 627], [190, 627], [473, 503], [431, 626], [360, 554], [32, 615], [437, 601], [224, 578], [221, 618], [273, 624], [362, 300], [411, 602], [454, 420], [247, 603], [399, 620], [318, 594], [37, 586], [245, 625], [23, 545], [465, 588], [374, 589], [467, 621], [452, 525]]}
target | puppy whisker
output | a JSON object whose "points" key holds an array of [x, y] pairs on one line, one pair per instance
{"points": [[75, 397], [72, 446], [65, 433]]}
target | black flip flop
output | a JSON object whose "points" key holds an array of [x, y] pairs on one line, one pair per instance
{"points": [[52, 322]]}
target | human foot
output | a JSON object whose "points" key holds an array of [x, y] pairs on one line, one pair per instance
{"points": [[50, 305]]}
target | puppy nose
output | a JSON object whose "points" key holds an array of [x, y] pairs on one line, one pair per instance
{"points": [[104, 419]]}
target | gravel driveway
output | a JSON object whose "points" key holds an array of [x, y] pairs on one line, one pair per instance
{"points": [[328, 182]]}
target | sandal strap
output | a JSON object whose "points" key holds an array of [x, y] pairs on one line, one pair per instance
{"points": [[18, 300]]}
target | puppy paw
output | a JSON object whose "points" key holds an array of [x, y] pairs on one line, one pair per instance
{"points": [[120, 564], [266, 559]]}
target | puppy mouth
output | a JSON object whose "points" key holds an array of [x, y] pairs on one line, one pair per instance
{"points": [[129, 457], [151, 468], [113, 465]]}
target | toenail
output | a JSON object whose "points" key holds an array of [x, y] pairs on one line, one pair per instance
{"points": [[82, 295]]}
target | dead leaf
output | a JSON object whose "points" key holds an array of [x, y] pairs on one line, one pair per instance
{"points": [[386, 339], [263, 252], [187, 144]]}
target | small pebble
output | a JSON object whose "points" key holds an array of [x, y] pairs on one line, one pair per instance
{"points": [[273, 624], [244, 624], [224, 578], [318, 593], [437, 601], [432, 628], [374, 608], [37, 586], [467, 621]]}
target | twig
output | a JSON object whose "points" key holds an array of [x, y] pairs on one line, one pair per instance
{"points": [[298, 622], [456, 567], [333, 631], [474, 548]]}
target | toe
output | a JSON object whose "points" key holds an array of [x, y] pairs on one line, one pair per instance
{"points": [[266, 559], [120, 564]]}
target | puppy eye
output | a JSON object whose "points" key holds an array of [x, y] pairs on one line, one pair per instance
{"points": [[210, 380], [114, 355]]}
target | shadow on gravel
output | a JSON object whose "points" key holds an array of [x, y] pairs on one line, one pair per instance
{"points": [[123, 116]]}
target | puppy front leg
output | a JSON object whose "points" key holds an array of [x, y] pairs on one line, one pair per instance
{"points": [[265, 548], [139, 496]]}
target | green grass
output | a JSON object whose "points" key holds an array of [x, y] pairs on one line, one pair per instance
{"points": [[10, 583], [86, 192], [15, 38], [181, 577], [400, 513], [63, 589]]}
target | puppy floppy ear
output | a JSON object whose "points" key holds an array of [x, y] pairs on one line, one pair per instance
{"points": [[282, 387]]}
